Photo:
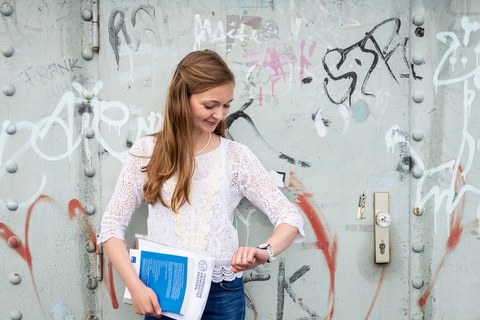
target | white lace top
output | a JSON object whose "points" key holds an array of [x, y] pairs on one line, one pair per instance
{"points": [[222, 178]]}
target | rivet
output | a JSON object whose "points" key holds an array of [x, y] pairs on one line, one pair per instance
{"points": [[87, 54], [91, 316], [418, 211], [12, 205], [417, 135], [90, 171], [418, 19], [9, 89], [15, 278], [417, 97], [92, 283], [87, 95], [11, 128], [90, 247], [417, 283], [6, 9], [11, 167], [13, 242], [90, 209], [15, 315], [89, 133], [418, 58], [87, 14], [8, 51], [418, 247], [417, 172]]}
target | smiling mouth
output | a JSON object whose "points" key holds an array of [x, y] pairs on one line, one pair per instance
{"points": [[211, 123]]}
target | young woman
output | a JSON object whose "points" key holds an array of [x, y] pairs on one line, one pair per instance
{"points": [[193, 179]]}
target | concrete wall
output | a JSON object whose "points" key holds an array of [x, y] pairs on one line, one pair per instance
{"points": [[347, 98]]}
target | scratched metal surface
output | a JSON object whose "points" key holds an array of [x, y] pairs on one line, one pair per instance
{"points": [[397, 114]]}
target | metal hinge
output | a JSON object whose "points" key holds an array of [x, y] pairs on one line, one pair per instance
{"points": [[95, 26]]}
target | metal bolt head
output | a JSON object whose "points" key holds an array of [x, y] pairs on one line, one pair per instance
{"points": [[418, 59], [13, 242], [417, 283], [418, 19], [417, 172], [90, 171], [12, 205], [87, 15], [89, 133], [418, 211], [16, 315], [417, 135], [418, 97], [91, 283], [90, 209], [9, 90], [6, 9], [15, 278], [11, 167], [11, 129], [90, 247], [87, 54], [417, 247], [8, 51]]}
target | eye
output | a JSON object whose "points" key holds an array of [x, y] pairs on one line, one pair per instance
{"points": [[226, 106], [208, 107]]}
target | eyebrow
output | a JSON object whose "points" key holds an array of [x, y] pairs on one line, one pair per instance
{"points": [[215, 101]]}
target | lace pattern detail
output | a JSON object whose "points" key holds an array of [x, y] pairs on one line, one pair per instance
{"points": [[221, 179]]}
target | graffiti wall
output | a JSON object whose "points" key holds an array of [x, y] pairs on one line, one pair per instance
{"points": [[340, 100]]}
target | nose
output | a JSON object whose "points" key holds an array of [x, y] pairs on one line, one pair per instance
{"points": [[218, 114]]}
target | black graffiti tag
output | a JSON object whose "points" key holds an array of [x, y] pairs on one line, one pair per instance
{"points": [[334, 60], [285, 285], [117, 25]]}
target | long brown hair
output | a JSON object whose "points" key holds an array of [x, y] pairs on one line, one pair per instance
{"points": [[197, 72]]}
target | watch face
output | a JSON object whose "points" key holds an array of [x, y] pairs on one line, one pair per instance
{"points": [[262, 246]]}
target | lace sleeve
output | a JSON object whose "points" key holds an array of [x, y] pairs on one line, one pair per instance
{"points": [[127, 195], [256, 186]]}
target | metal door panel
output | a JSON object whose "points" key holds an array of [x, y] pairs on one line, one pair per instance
{"points": [[393, 116]]}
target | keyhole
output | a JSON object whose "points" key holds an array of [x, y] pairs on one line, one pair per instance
{"points": [[382, 248]]}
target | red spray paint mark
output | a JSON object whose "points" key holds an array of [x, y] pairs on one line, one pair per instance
{"points": [[456, 230], [379, 286], [23, 250], [111, 286], [73, 207], [326, 243]]}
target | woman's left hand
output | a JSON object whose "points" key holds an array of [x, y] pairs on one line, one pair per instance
{"points": [[245, 258]]}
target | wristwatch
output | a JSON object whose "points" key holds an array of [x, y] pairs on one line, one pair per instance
{"points": [[268, 247]]}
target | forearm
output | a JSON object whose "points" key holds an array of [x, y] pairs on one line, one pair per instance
{"points": [[282, 237], [118, 254]]}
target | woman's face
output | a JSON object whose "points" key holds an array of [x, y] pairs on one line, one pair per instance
{"points": [[208, 108]]}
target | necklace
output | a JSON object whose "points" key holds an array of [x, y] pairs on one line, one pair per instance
{"points": [[206, 144]]}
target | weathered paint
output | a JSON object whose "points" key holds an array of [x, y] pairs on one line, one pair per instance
{"points": [[345, 98]]}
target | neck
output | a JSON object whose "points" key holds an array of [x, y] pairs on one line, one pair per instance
{"points": [[204, 142]]}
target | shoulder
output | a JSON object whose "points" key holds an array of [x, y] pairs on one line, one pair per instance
{"points": [[143, 147], [238, 150]]}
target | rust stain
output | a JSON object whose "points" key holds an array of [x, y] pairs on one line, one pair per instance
{"points": [[326, 243]]}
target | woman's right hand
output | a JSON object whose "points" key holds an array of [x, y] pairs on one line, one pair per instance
{"points": [[145, 301]]}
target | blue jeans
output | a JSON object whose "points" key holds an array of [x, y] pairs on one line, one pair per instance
{"points": [[226, 301]]}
